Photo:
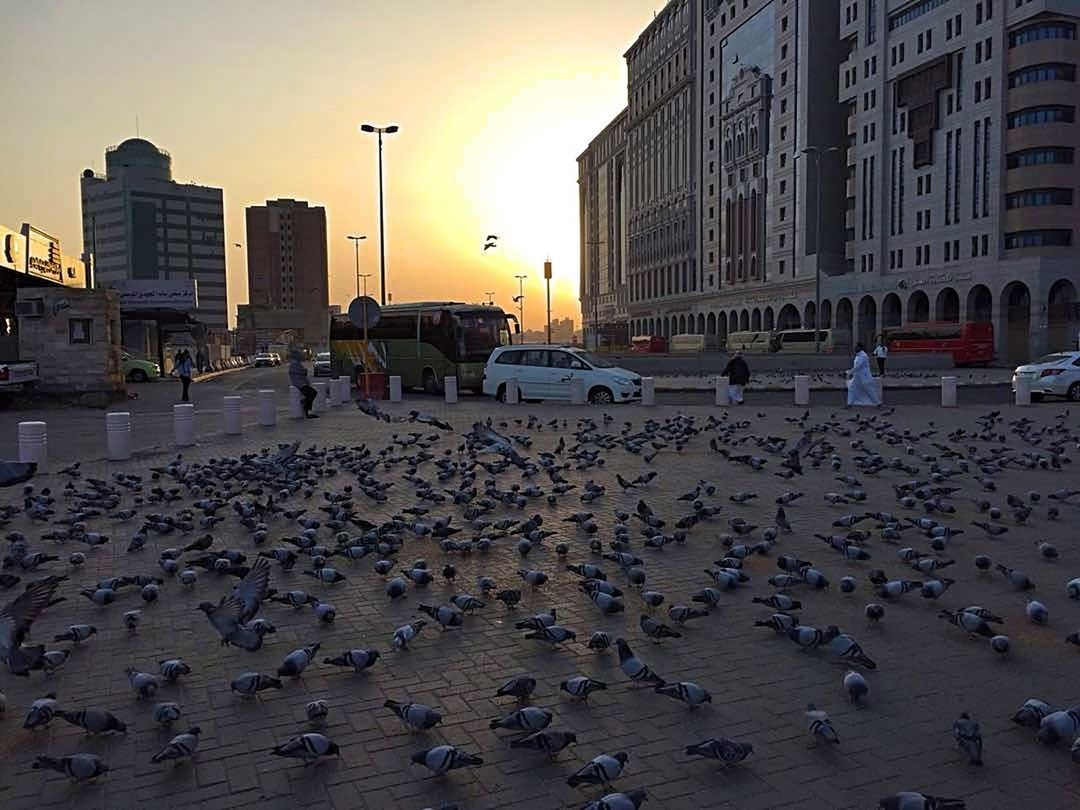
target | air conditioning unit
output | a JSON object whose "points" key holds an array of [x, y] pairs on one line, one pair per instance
{"points": [[30, 308]]}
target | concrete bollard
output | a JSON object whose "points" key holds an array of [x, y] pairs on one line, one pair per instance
{"points": [[267, 407], [333, 399], [33, 442], [648, 391], [512, 391], [723, 391], [395, 389], [1023, 391], [184, 424], [319, 405], [802, 389], [577, 391], [118, 435], [344, 392], [879, 386], [450, 389], [296, 403], [233, 421], [948, 392]]}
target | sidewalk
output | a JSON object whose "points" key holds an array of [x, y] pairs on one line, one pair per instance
{"points": [[783, 380]]}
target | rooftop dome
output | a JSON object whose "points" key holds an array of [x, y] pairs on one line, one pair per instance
{"points": [[137, 156]]}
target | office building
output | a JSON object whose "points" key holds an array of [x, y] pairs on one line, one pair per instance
{"points": [[288, 282], [139, 224]]}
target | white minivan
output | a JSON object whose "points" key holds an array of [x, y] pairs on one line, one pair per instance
{"points": [[547, 372]]}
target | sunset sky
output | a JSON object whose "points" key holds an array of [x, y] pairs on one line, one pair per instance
{"points": [[495, 99]]}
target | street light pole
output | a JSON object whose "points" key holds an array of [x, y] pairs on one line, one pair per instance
{"points": [[389, 130], [356, 241], [365, 277], [817, 151], [490, 296], [521, 301], [547, 279]]}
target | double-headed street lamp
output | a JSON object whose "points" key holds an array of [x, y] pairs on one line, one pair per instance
{"points": [[817, 152], [356, 241], [380, 131], [520, 300]]}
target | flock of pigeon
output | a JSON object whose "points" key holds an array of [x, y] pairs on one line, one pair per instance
{"points": [[285, 537]]}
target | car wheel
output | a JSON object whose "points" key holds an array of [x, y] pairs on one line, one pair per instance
{"points": [[601, 396], [1036, 397], [500, 394], [137, 375], [1074, 392], [430, 383]]}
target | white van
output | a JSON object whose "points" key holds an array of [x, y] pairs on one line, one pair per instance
{"points": [[801, 341], [547, 372], [750, 342]]}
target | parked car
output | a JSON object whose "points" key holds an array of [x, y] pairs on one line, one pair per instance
{"points": [[277, 358], [264, 359], [1054, 375], [547, 372], [323, 367], [137, 369]]}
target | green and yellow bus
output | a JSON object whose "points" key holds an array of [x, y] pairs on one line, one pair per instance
{"points": [[423, 343]]}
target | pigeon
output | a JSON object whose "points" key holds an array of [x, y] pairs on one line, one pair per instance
{"points": [[297, 661], [309, 747], [687, 691], [600, 770], [16, 619], [78, 767], [166, 714], [530, 719], [406, 633], [317, 710], [858, 690], [443, 758], [820, 726], [722, 749], [656, 630], [41, 712], [1031, 713], [910, 800], [144, 684], [182, 746], [1037, 612], [171, 669], [634, 668], [969, 738], [358, 659], [550, 742], [581, 686], [521, 688], [251, 683], [627, 800], [415, 716], [95, 721]]}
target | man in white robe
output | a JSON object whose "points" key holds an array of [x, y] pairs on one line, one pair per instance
{"points": [[861, 388]]}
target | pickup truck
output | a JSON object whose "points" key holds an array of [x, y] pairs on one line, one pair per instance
{"points": [[16, 378]]}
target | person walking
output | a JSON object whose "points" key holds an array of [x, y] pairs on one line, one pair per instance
{"points": [[862, 390], [738, 374], [298, 378], [880, 353], [183, 369]]}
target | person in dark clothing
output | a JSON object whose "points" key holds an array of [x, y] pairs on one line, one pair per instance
{"points": [[738, 374], [184, 367], [298, 378]]}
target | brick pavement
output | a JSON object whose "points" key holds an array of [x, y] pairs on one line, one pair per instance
{"points": [[928, 671]]}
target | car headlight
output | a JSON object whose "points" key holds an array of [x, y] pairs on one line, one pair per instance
{"points": [[622, 381]]}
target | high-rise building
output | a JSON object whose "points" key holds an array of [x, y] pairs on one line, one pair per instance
{"points": [[962, 169], [602, 209], [140, 224], [287, 268], [939, 135]]}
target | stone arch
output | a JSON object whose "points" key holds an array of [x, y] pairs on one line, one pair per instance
{"points": [[1015, 321], [918, 307], [710, 324], [845, 317], [701, 323], [892, 312], [682, 325], [755, 320], [789, 318], [809, 315], [768, 320], [947, 306], [980, 304], [744, 321], [1062, 316], [722, 325], [868, 325], [826, 315]]}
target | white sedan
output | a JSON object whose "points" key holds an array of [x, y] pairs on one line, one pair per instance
{"points": [[1054, 375]]}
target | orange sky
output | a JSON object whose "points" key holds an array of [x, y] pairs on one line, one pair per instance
{"points": [[495, 99]]}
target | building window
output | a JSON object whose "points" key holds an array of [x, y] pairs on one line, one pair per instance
{"points": [[913, 12], [1043, 238], [1039, 157], [1039, 197], [1049, 72], [1050, 114], [80, 330], [1039, 31]]}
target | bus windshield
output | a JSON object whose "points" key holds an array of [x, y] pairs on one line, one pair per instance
{"points": [[478, 332]]}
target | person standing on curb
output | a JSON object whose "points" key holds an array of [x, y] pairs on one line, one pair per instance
{"points": [[880, 353], [184, 367], [298, 378], [738, 374]]}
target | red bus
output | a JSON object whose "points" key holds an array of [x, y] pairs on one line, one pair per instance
{"points": [[648, 344], [970, 343]]}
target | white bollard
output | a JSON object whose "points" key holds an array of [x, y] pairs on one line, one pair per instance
{"points": [[948, 392], [879, 385], [450, 388], [319, 405], [395, 389], [577, 391], [723, 391], [33, 442], [1023, 391], [118, 435], [267, 407], [648, 391], [184, 424], [802, 389], [296, 403], [344, 394], [512, 391], [233, 422]]}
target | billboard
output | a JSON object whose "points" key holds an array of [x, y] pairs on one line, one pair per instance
{"points": [[12, 249], [179, 294], [43, 258]]}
